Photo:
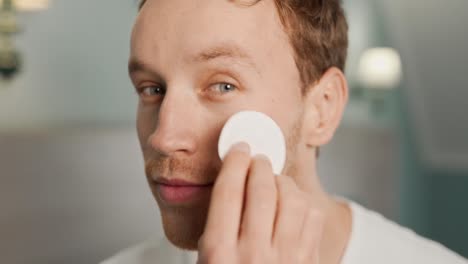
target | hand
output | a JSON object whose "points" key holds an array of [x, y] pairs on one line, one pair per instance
{"points": [[257, 217]]}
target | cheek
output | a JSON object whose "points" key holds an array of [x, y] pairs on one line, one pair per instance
{"points": [[289, 116], [146, 122], [285, 109], [211, 129]]}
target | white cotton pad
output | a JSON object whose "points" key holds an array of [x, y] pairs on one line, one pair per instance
{"points": [[258, 130]]}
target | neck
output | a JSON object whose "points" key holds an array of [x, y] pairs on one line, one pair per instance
{"points": [[338, 218]]}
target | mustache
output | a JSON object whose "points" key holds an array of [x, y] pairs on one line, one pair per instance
{"points": [[189, 168]]}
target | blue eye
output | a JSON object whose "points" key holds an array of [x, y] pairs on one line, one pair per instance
{"points": [[224, 87], [153, 90]]}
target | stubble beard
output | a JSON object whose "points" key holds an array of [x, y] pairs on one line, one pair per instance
{"points": [[183, 226]]}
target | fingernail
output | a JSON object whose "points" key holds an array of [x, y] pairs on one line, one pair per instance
{"points": [[242, 147]]}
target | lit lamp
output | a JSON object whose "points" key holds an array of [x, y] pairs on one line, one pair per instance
{"points": [[379, 73], [380, 68], [10, 59]]}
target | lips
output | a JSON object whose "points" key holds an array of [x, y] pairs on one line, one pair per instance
{"points": [[178, 182], [179, 191]]}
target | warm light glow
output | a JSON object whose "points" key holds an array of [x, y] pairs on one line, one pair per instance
{"points": [[29, 5], [380, 68]]}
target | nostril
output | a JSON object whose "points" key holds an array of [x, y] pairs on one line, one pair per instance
{"points": [[167, 142]]}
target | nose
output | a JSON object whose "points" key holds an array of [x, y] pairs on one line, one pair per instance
{"points": [[176, 126]]}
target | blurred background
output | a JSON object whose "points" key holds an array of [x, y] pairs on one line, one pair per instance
{"points": [[72, 186]]}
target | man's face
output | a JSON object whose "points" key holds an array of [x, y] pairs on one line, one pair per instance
{"points": [[196, 63]]}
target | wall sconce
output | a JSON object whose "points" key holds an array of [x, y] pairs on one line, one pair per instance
{"points": [[10, 58], [28, 5]]}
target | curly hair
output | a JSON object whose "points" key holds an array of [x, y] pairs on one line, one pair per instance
{"points": [[318, 33]]}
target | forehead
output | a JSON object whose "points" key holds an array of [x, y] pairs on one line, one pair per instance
{"points": [[165, 28]]}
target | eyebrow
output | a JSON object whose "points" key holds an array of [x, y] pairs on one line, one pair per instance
{"points": [[224, 50], [137, 65], [220, 51]]}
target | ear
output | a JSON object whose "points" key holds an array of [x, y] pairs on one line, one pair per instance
{"points": [[324, 106]]}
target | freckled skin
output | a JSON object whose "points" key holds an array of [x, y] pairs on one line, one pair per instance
{"points": [[178, 128]]}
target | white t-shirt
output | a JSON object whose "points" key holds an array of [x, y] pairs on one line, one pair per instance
{"points": [[373, 239]]}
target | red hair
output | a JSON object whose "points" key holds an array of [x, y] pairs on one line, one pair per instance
{"points": [[318, 32]]}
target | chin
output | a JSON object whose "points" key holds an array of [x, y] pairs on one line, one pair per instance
{"points": [[183, 227]]}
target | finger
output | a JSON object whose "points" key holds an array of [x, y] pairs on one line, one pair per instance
{"points": [[311, 236], [260, 204], [292, 208], [227, 197]]}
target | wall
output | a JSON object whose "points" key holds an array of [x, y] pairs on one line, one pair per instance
{"points": [[75, 66], [446, 192], [433, 200]]}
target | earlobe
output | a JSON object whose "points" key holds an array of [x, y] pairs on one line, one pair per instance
{"points": [[325, 103]]}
